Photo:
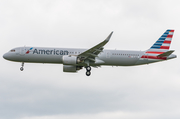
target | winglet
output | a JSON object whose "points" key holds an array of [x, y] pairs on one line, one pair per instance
{"points": [[94, 51], [107, 39], [166, 54]]}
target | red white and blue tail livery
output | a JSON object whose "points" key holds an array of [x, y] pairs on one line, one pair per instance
{"points": [[74, 59], [164, 41], [160, 49]]}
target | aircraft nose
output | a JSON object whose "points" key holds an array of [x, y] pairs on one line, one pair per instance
{"points": [[6, 56]]}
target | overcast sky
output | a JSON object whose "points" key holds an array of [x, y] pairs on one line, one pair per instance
{"points": [[43, 91]]}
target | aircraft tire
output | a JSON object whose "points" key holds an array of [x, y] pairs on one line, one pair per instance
{"points": [[88, 73], [21, 68], [88, 68]]}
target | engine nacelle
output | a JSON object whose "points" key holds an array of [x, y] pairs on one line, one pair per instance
{"points": [[71, 68], [71, 60]]}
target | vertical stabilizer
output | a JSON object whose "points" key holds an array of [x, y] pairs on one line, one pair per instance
{"points": [[160, 49], [163, 43]]}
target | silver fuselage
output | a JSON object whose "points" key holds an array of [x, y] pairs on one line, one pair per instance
{"points": [[54, 55]]}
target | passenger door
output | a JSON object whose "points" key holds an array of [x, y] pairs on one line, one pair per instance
{"points": [[108, 54], [22, 51]]}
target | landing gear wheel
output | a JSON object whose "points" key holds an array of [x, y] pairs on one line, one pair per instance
{"points": [[88, 73], [21, 68], [88, 68]]}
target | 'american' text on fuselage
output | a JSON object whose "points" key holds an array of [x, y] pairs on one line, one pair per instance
{"points": [[51, 52]]}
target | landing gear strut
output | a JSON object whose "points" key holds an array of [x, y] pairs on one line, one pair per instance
{"points": [[88, 71], [22, 68]]}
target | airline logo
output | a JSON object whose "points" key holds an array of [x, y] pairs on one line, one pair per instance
{"points": [[164, 41], [47, 52], [160, 46], [29, 50], [50, 52]]}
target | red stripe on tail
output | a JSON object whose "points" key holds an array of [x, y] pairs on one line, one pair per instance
{"points": [[169, 36], [164, 47], [154, 52], [166, 41]]}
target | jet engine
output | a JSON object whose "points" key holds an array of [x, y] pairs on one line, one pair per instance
{"points": [[71, 68], [70, 60]]}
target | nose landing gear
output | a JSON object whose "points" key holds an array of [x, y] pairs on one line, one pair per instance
{"points": [[22, 68], [88, 71]]}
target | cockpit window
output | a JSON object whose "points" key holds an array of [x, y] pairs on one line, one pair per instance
{"points": [[12, 50]]}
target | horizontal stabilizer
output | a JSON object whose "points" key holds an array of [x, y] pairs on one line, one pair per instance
{"points": [[166, 54]]}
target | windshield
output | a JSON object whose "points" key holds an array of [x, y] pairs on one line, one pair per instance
{"points": [[13, 50]]}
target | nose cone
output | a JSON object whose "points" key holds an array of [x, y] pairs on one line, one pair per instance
{"points": [[5, 56]]}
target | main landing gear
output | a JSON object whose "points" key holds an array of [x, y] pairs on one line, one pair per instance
{"points": [[22, 68], [88, 71]]}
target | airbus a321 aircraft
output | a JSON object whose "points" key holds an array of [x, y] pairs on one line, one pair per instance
{"points": [[75, 59]]}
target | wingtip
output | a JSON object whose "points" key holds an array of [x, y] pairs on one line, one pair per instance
{"points": [[108, 38], [111, 33]]}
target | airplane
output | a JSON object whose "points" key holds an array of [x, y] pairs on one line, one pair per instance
{"points": [[74, 60]]}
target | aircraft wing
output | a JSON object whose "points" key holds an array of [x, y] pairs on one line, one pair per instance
{"points": [[93, 52]]}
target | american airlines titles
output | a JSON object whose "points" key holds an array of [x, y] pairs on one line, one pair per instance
{"points": [[51, 52]]}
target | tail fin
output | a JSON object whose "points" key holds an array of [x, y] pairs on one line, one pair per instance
{"points": [[164, 41], [160, 49]]}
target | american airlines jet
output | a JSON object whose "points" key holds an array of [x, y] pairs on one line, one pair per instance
{"points": [[75, 59]]}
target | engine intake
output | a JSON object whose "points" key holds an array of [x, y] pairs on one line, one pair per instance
{"points": [[71, 60], [68, 59]]}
